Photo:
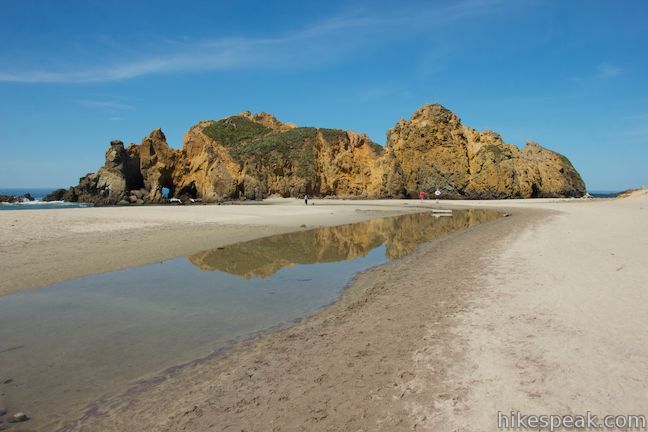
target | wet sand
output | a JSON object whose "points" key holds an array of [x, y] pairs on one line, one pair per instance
{"points": [[40, 247], [543, 312]]}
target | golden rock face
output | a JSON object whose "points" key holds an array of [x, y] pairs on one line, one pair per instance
{"points": [[255, 156], [435, 150]]}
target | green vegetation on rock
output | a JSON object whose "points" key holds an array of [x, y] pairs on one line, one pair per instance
{"points": [[233, 130], [247, 139], [332, 135], [289, 144]]}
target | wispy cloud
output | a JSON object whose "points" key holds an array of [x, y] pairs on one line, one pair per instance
{"points": [[606, 70], [328, 40], [106, 105], [636, 129], [602, 71], [378, 93], [638, 134], [643, 117]]}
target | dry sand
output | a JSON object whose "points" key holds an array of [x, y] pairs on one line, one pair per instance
{"points": [[543, 312]]}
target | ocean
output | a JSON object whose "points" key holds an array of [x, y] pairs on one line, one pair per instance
{"points": [[604, 194], [38, 203]]}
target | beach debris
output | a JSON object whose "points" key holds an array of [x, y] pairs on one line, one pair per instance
{"points": [[19, 417], [195, 411], [505, 214]]}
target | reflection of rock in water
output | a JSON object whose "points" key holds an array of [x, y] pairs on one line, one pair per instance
{"points": [[400, 234]]}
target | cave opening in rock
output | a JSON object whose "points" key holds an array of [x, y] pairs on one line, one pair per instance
{"points": [[166, 182], [189, 190], [133, 173], [134, 179]]}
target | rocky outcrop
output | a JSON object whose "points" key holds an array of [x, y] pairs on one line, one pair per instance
{"points": [[16, 198], [132, 175], [435, 150], [253, 156]]}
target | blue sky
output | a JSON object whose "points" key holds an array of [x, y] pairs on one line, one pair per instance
{"points": [[571, 75]]}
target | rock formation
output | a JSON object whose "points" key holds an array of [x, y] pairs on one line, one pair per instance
{"points": [[253, 156], [16, 198], [435, 150]]}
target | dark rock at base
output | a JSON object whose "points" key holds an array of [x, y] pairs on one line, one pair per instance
{"points": [[16, 198], [56, 195], [3, 412]]}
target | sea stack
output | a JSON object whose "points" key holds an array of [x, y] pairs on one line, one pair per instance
{"points": [[435, 150], [253, 156]]}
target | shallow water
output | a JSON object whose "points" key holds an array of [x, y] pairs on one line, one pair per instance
{"points": [[38, 203], [67, 345], [42, 205]]}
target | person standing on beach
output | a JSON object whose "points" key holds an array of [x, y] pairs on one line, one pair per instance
{"points": [[306, 199], [437, 195], [422, 195]]}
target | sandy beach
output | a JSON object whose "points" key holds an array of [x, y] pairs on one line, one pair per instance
{"points": [[62, 244], [542, 312]]}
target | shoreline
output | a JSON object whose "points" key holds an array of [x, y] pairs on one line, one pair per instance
{"points": [[358, 213], [57, 245], [243, 356], [62, 244], [472, 323]]}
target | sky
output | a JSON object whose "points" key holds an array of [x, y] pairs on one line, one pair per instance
{"points": [[571, 75]]}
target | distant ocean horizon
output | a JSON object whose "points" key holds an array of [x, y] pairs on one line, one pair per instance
{"points": [[604, 193], [38, 203]]}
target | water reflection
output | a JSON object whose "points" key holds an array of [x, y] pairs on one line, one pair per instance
{"points": [[64, 346], [400, 234]]}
